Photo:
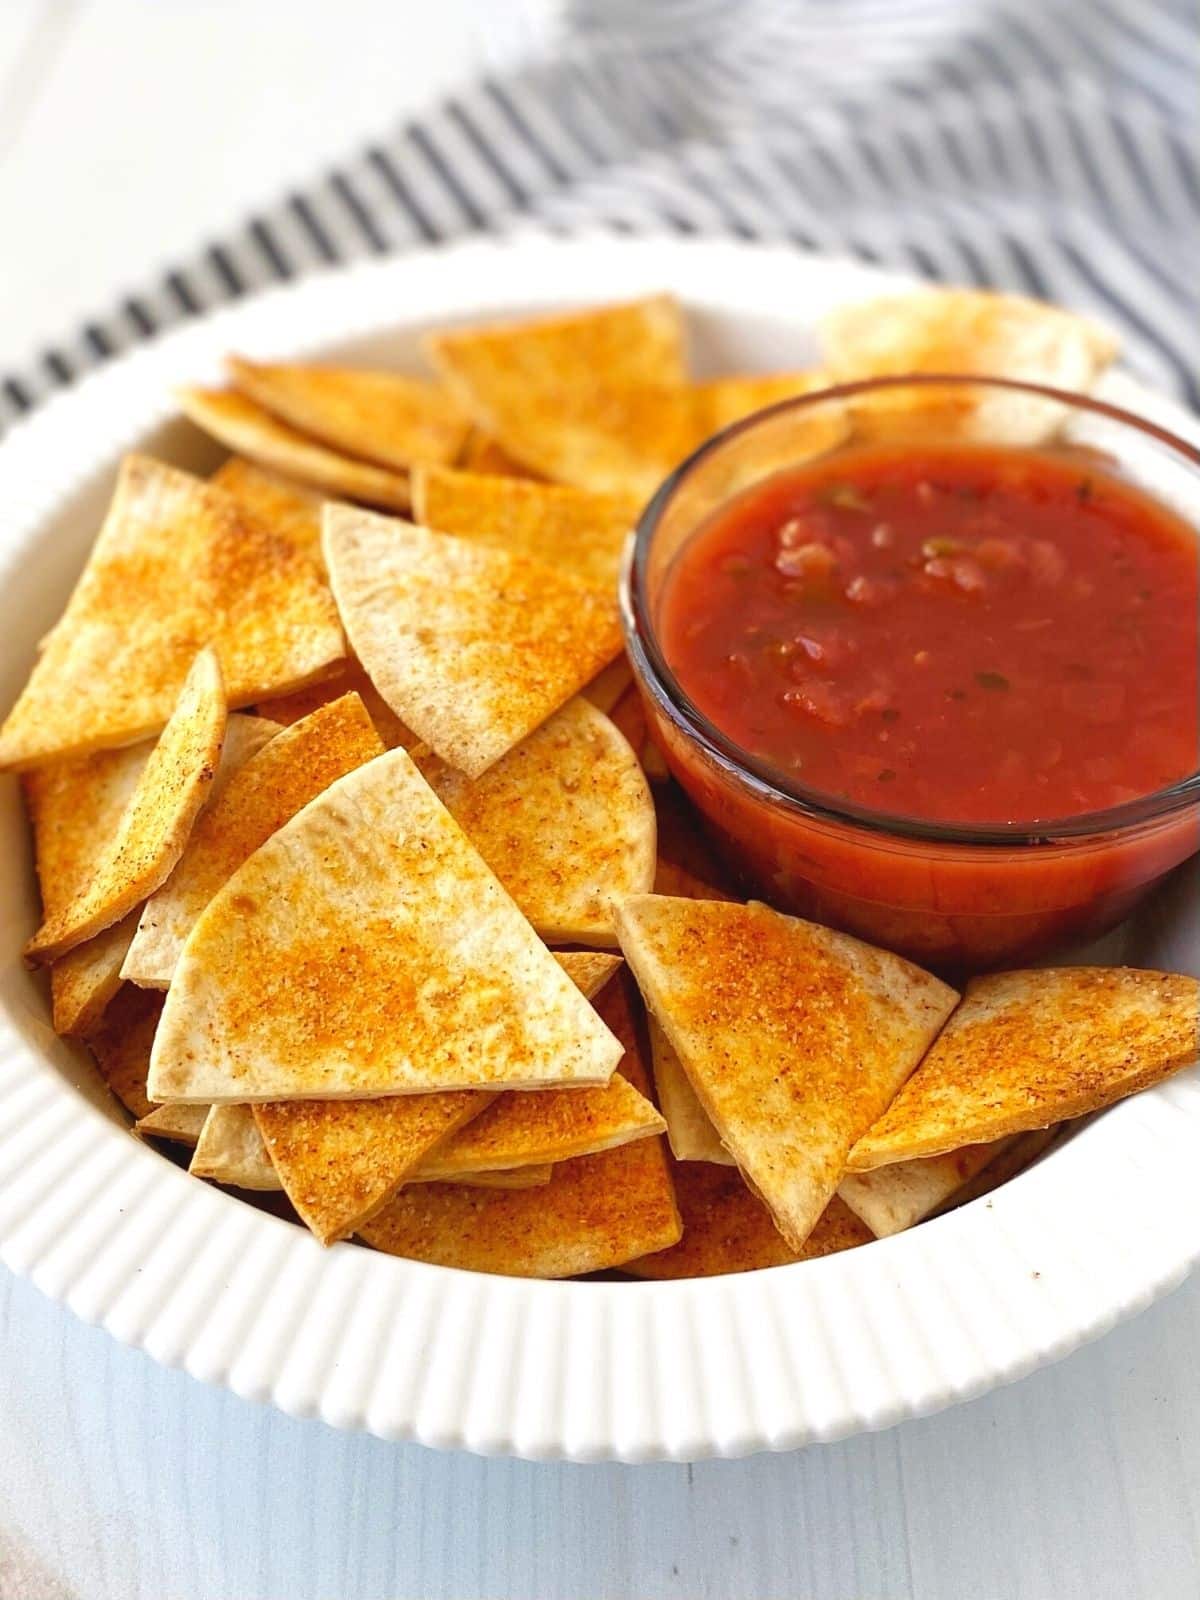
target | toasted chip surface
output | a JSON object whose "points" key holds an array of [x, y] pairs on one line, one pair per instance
{"points": [[122, 1044], [366, 949], [482, 453], [565, 820], [230, 1150], [178, 566], [1026, 1049], [384, 417], [726, 1228], [594, 398], [609, 684], [893, 1198], [283, 506], [690, 1132], [793, 1037], [260, 795], [179, 1124], [349, 678], [154, 826], [473, 648], [250, 430], [580, 533], [84, 981], [588, 970]]}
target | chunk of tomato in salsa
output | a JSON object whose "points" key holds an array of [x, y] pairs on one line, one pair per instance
{"points": [[963, 634]]}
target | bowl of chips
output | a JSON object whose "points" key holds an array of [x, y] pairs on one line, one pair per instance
{"points": [[471, 1103]]}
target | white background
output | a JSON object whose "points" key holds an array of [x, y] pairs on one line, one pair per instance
{"points": [[131, 131]]}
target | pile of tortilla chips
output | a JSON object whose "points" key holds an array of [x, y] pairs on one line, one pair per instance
{"points": [[365, 885]]}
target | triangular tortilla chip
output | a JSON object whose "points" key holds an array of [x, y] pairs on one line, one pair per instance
{"points": [[593, 398], [230, 1150], [588, 970], [577, 532], [726, 1228], [156, 822], [383, 417], [893, 1198], [349, 679], [690, 1132], [482, 453], [286, 508], [720, 402], [1025, 1049], [366, 949], [607, 687], [179, 1124], [178, 566], [258, 798], [794, 1037], [964, 331], [558, 1124], [84, 981], [246, 429], [565, 821], [122, 1047], [472, 648]]}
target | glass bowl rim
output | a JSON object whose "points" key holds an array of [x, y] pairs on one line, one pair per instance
{"points": [[767, 781]]}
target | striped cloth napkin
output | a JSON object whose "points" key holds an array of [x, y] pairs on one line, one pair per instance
{"points": [[1048, 149]]}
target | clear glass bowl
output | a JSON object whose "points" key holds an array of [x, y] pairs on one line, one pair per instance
{"points": [[956, 897]]}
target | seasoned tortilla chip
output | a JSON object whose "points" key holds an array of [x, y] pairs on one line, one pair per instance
{"points": [[514, 1178], [690, 1132], [245, 428], [965, 331], [629, 714], [179, 1124], [1025, 1049], [893, 1198], [84, 981], [286, 508], [366, 949], [482, 453], [593, 398], [609, 684], [720, 402], [258, 798], [382, 417], [577, 532], [588, 970], [178, 566], [122, 1047], [794, 1037], [230, 1150], [473, 648], [348, 679], [726, 1228], [565, 821], [559, 1124], [154, 826]]}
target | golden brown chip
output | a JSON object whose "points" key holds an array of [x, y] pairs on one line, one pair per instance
{"points": [[84, 981], [720, 402], [594, 398], [255, 802], [629, 714], [794, 1037], [286, 508], [514, 1178], [155, 824], [1025, 1049], [122, 1047], [348, 679], [726, 1228], [483, 454], [231, 1150], [607, 687], [559, 1124], [577, 532], [588, 970], [690, 1132], [565, 820], [893, 1198], [366, 949], [249, 430], [179, 1124], [473, 648], [383, 417], [178, 566]]}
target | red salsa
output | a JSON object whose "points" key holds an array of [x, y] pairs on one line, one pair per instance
{"points": [[961, 634]]}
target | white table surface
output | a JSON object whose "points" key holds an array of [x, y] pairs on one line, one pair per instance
{"points": [[128, 132]]}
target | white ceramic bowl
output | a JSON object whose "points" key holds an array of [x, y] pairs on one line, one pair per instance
{"points": [[632, 1371]]}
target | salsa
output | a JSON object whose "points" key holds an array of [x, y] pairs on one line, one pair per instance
{"points": [[964, 634]]}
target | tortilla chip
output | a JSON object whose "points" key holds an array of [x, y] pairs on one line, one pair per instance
{"points": [[154, 826], [558, 1125], [588, 970], [629, 714], [1016, 1154], [246, 429], [515, 1178], [178, 566], [720, 402], [795, 1038], [255, 802], [366, 949], [579, 533], [726, 1228], [87, 978], [472, 648], [564, 820], [690, 1132], [482, 453], [1025, 1049], [688, 865], [607, 687], [964, 331], [593, 398], [230, 1150], [179, 1124], [382, 417], [894, 1198], [349, 679], [122, 1047], [286, 508]]}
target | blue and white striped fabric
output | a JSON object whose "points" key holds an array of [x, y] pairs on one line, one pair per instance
{"points": [[1050, 149]]}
